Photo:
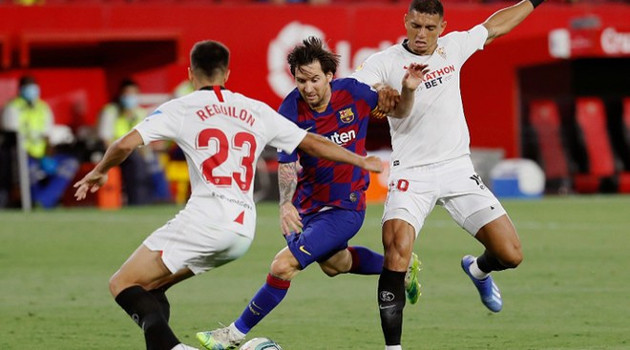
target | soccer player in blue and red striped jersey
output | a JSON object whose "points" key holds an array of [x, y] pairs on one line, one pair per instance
{"points": [[344, 121], [322, 206]]}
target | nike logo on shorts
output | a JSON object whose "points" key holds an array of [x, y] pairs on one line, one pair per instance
{"points": [[304, 250]]}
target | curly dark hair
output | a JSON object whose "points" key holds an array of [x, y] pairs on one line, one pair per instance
{"points": [[311, 50]]}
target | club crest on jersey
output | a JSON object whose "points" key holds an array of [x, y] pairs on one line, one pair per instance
{"points": [[346, 115], [440, 51]]}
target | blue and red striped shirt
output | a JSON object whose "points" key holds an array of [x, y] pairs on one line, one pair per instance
{"points": [[323, 183]]}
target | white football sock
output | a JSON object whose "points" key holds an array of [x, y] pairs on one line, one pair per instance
{"points": [[235, 331], [393, 347], [476, 272]]}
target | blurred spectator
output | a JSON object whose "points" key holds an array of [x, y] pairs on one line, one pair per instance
{"points": [[143, 177], [50, 172]]}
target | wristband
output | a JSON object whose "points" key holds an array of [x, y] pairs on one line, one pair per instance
{"points": [[536, 2]]}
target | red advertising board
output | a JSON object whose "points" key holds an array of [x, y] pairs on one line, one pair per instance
{"points": [[151, 42], [590, 42]]}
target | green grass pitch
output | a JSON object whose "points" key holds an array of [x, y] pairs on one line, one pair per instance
{"points": [[571, 292]]}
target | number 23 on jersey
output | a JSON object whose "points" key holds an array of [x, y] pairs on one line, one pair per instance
{"points": [[242, 145]]}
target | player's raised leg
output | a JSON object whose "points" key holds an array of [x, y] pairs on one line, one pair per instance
{"points": [[503, 251]]}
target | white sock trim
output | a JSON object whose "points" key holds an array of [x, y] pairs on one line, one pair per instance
{"points": [[393, 347], [235, 330], [476, 272]]}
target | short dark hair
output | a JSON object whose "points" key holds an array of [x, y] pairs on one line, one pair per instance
{"points": [[431, 7], [312, 49], [26, 80], [209, 58], [125, 83]]}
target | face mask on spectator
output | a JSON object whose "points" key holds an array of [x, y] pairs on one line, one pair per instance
{"points": [[30, 92], [129, 101]]}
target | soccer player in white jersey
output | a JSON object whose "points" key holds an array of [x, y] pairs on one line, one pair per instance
{"points": [[222, 134], [431, 156]]}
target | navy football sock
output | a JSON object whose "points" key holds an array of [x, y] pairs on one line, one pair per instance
{"points": [[267, 298], [365, 261], [488, 263]]}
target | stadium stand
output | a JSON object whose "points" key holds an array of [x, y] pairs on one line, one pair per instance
{"points": [[547, 128], [601, 174]]}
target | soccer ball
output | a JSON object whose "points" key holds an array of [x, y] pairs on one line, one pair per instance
{"points": [[261, 344]]}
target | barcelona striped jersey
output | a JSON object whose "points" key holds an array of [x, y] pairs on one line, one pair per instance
{"points": [[323, 183]]}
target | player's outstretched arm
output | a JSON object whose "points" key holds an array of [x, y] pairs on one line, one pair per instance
{"points": [[115, 154], [504, 20], [320, 147], [410, 82]]}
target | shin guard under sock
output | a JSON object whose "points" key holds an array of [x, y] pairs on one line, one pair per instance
{"points": [[160, 295], [267, 298], [147, 313], [391, 301]]}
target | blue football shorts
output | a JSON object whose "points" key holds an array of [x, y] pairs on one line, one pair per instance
{"points": [[324, 234]]}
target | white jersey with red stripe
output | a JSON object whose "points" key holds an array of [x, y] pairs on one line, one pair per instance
{"points": [[222, 134], [436, 130]]}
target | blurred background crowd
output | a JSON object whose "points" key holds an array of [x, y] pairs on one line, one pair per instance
{"points": [[55, 153]]}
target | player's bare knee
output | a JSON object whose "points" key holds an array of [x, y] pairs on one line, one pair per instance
{"points": [[513, 259], [116, 285], [119, 282], [282, 269], [397, 257], [330, 271], [398, 239]]}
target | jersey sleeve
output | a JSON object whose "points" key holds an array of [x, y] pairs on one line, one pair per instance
{"points": [[288, 110], [470, 41], [163, 124], [283, 133], [372, 71]]}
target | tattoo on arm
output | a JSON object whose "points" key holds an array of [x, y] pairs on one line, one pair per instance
{"points": [[287, 181]]}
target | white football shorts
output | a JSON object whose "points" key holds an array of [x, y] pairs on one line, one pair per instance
{"points": [[196, 245], [453, 184]]}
